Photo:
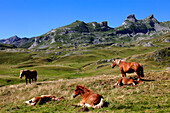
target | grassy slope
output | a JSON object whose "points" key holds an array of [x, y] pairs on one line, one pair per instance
{"points": [[82, 63], [77, 64], [152, 96]]}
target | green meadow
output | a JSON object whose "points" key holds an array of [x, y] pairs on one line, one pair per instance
{"points": [[76, 64], [58, 74]]}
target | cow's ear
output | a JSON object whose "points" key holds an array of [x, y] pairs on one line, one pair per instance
{"points": [[77, 87]]}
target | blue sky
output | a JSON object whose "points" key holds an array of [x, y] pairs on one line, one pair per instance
{"points": [[29, 18]]}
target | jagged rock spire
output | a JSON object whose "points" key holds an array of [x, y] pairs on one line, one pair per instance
{"points": [[104, 23], [130, 18], [151, 17]]}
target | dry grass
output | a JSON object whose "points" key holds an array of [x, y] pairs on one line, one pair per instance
{"points": [[150, 95]]}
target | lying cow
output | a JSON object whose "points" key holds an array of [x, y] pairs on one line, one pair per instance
{"points": [[127, 81], [42, 99]]}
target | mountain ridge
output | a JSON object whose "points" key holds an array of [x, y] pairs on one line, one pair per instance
{"points": [[79, 33]]}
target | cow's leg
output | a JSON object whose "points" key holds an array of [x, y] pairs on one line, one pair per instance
{"points": [[29, 80], [138, 73], [122, 73], [26, 80], [35, 78]]}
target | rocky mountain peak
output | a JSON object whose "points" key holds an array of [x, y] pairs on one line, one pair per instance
{"points": [[130, 18], [78, 23], [10, 40], [150, 16], [104, 23], [14, 38]]}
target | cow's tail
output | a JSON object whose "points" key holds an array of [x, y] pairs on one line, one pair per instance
{"points": [[100, 104], [141, 71]]}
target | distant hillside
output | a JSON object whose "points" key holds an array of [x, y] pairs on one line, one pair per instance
{"points": [[18, 42], [6, 46], [80, 33]]}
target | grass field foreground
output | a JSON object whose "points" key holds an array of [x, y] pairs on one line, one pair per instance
{"points": [[151, 96]]}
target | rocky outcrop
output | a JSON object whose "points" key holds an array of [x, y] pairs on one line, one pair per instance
{"points": [[36, 42], [130, 18], [52, 41], [103, 61], [133, 27], [151, 17], [161, 55], [147, 44], [103, 24], [167, 40]]}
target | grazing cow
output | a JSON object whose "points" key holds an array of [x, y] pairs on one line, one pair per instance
{"points": [[126, 67], [29, 74]]}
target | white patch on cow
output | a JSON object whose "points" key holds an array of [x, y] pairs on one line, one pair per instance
{"points": [[98, 106], [88, 105], [116, 83], [80, 104], [27, 102], [117, 61], [20, 74], [33, 103], [45, 95]]}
